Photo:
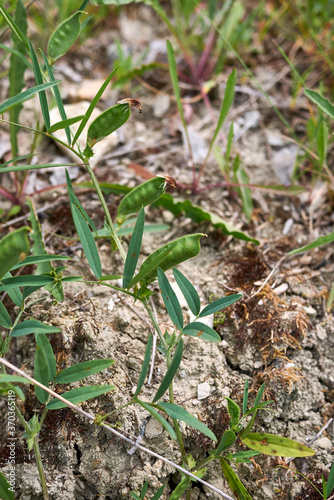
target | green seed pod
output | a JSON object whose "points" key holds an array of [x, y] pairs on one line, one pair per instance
{"points": [[107, 122], [181, 249], [64, 36], [141, 196]]}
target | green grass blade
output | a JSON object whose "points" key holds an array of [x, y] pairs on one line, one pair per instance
{"points": [[176, 89], [227, 103], [10, 50], [241, 177], [134, 249], [321, 102], [175, 411], [87, 241], [5, 320], [158, 494], [57, 96], [219, 304], [170, 300], [146, 364], [22, 168], [37, 259], [330, 481], [322, 240], [189, 292], [16, 72], [81, 370], [92, 107], [39, 80], [24, 96], [174, 366], [259, 395], [79, 395], [5, 492], [13, 26]]}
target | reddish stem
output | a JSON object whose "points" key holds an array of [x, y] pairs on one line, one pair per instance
{"points": [[206, 53]]}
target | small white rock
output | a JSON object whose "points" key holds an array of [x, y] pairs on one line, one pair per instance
{"points": [[310, 310], [203, 391], [281, 288], [324, 443]]}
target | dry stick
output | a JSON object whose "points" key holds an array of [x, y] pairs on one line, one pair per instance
{"points": [[314, 438], [269, 276], [113, 431]]}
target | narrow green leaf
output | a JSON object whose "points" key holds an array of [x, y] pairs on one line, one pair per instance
{"points": [[110, 277], [175, 81], [13, 248], [219, 304], [226, 441], [245, 398], [13, 26], [143, 490], [23, 59], [240, 177], [134, 495], [6, 490], [79, 395], [170, 300], [16, 281], [14, 293], [134, 249], [64, 36], [180, 488], [43, 342], [227, 103], [71, 279], [39, 80], [22, 168], [322, 143], [15, 160], [37, 259], [5, 320], [158, 417], [145, 366], [233, 410], [271, 444], [57, 96], [179, 413], [234, 482], [92, 107], [189, 292], [87, 241], [174, 366], [245, 454], [38, 248], [64, 123], [32, 326], [201, 330], [81, 370], [16, 72], [259, 395], [250, 424], [321, 102], [41, 374], [13, 378], [322, 240], [158, 494], [75, 201], [330, 481]]}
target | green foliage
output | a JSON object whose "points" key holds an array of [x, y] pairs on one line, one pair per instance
{"points": [[13, 248]]}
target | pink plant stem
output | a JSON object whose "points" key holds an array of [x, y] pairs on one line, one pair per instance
{"points": [[9, 196], [205, 54]]}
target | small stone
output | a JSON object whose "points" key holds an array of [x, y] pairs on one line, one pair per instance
{"points": [[203, 391], [310, 310], [258, 364], [281, 288], [321, 332], [224, 344], [324, 443], [153, 429]]}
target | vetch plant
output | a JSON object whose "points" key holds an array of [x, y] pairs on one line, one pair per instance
{"points": [[16, 250]]}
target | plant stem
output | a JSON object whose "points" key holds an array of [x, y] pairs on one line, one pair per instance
{"points": [[105, 208], [170, 389], [37, 452]]}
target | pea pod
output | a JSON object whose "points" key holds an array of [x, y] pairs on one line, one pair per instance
{"points": [[64, 36], [106, 123], [180, 250], [141, 196]]}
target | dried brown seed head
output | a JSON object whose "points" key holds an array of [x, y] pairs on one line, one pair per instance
{"points": [[131, 102]]}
